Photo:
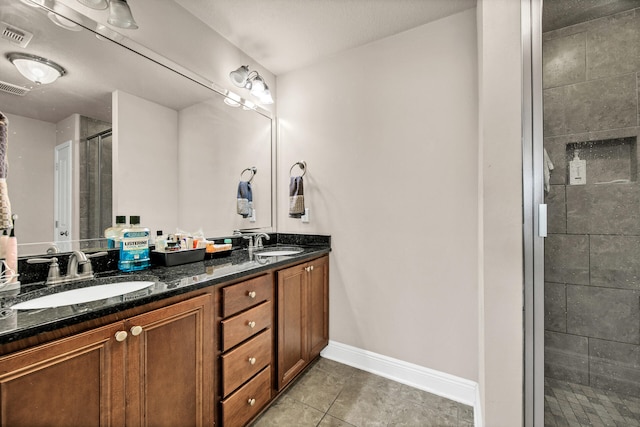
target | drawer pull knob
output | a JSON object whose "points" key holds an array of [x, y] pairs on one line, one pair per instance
{"points": [[251, 324], [136, 330], [307, 269], [311, 268], [251, 402], [252, 360], [121, 336], [251, 294]]}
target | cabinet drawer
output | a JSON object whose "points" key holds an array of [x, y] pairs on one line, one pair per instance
{"points": [[243, 362], [245, 403], [241, 296], [238, 328]]}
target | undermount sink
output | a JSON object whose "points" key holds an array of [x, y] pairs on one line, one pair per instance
{"points": [[280, 251], [82, 295]]}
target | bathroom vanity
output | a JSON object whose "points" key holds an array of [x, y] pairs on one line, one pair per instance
{"points": [[194, 349]]}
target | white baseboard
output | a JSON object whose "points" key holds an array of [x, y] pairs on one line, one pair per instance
{"points": [[440, 383]]}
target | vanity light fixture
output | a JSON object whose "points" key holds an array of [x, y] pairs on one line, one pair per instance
{"points": [[35, 68], [120, 15], [119, 12], [253, 81], [232, 99]]}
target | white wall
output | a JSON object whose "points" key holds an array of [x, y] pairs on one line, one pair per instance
{"points": [[500, 192], [145, 149], [389, 133], [31, 162], [217, 143]]}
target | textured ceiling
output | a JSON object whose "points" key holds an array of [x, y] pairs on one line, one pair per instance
{"points": [[283, 35], [563, 13]]}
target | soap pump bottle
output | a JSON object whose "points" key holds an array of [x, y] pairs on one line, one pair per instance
{"points": [[577, 169], [134, 246]]}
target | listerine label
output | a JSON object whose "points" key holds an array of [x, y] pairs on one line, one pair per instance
{"points": [[134, 250]]}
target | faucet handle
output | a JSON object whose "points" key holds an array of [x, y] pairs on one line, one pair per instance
{"points": [[96, 254], [54, 268]]}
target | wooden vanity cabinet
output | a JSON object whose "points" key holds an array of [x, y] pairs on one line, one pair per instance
{"points": [[303, 316], [152, 369], [246, 349]]}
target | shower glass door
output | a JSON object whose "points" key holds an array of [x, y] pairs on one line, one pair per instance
{"points": [[590, 75], [96, 185]]}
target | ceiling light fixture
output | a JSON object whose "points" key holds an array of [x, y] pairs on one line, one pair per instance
{"points": [[253, 81], [35, 68], [120, 15]]}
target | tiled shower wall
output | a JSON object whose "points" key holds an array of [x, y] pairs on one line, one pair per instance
{"points": [[592, 254]]}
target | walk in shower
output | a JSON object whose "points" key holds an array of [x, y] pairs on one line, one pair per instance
{"points": [[95, 179], [590, 75]]}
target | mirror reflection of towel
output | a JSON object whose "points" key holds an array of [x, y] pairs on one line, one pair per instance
{"points": [[245, 199], [296, 197], [548, 167]]}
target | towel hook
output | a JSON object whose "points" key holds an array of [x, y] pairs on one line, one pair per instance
{"points": [[302, 165], [253, 171]]}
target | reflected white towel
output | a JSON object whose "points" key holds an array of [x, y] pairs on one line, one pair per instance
{"points": [[548, 167]]}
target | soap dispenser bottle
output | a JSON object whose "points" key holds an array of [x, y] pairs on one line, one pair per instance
{"points": [[134, 246], [577, 169]]}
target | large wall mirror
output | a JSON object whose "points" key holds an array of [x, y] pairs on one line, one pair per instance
{"points": [[122, 132]]}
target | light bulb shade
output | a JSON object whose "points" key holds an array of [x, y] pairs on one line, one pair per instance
{"points": [[257, 86], [232, 99], [239, 77], [95, 4], [120, 15], [38, 70], [266, 98]]}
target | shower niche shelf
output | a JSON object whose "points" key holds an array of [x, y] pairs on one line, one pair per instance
{"points": [[609, 161]]}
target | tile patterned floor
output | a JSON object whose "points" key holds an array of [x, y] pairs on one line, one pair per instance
{"points": [[568, 404], [331, 394]]}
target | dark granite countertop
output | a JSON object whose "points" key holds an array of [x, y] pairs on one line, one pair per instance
{"points": [[167, 282]]}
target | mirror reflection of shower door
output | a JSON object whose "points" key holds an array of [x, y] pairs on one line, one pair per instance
{"points": [[592, 253], [96, 185], [63, 193]]}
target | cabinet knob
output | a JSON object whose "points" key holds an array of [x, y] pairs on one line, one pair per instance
{"points": [[136, 330], [251, 324], [251, 402], [252, 360], [251, 294], [307, 269], [311, 268], [121, 336]]}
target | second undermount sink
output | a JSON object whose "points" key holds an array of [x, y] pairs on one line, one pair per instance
{"points": [[279, 251], [82, 295]]}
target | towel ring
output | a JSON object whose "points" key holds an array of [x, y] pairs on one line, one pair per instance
{"points": [[253, 171], [302, 165]]}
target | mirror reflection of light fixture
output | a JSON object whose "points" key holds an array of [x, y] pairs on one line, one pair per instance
{"points": [[232, 99], [35, 68], [63, 22], [120, 15], [253, 81], [95, 4]]}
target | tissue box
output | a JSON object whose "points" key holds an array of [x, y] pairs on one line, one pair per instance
{"points": [[172, 258]]}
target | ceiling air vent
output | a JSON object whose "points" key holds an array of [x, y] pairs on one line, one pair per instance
{"points": [[13, 89], [15, 35]]}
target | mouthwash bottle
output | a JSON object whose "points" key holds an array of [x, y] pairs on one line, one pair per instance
{"points": [[112, 234], [134, 246]]}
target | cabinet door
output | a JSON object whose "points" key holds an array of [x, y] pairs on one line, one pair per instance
{"points": [[293, 353], [170, 365], [76, 381], [318, 306]]}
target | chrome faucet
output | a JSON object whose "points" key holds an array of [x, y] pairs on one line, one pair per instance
{"points": [[76, 260], [78, 268], [257, 240]]}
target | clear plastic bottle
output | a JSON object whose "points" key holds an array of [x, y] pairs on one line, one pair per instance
{"points": [[134, 246], [112, 234]]}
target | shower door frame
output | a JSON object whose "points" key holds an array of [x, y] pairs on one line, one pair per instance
{"points": [[534, 211]]}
